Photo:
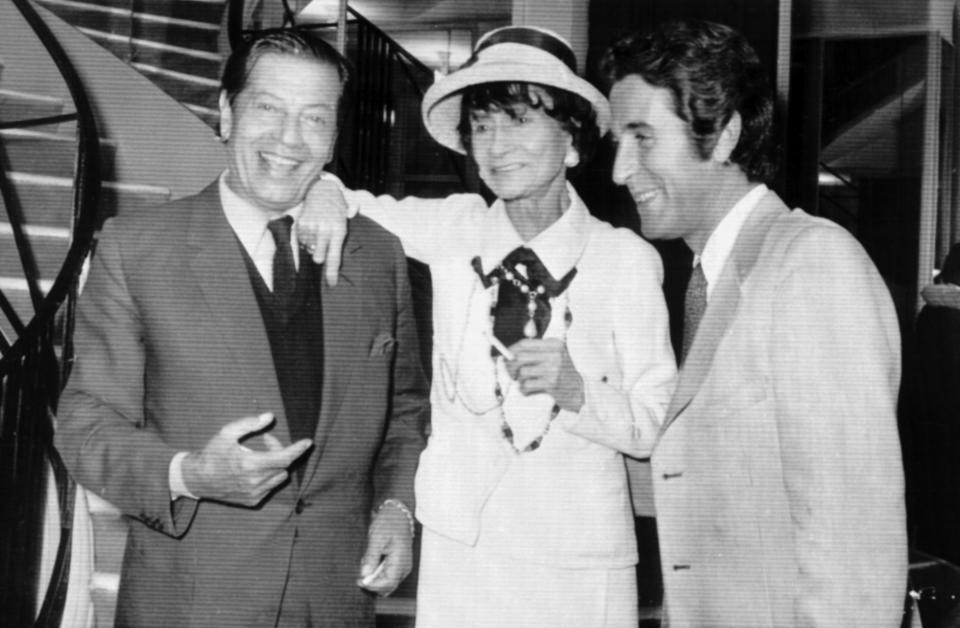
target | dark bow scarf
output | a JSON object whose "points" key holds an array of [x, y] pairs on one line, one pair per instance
{"points": [[510, 314]]}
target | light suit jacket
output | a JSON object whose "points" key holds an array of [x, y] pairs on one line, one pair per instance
{"points": [[170, 347], [778, 479]]}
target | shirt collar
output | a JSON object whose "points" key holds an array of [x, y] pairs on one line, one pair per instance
{"points": [[559, 246], [718, 247], [250, 222]]}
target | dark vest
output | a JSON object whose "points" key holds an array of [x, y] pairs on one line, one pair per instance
{"points": [[296, 344]]}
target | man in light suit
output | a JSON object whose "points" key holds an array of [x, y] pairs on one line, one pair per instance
{"points": [[259, 428], [777, 479]]}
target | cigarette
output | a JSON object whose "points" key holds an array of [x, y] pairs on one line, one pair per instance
{"points": [[368, 580], [499, 346]]}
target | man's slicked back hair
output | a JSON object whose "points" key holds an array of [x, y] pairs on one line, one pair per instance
{"points": [[295, 42]]}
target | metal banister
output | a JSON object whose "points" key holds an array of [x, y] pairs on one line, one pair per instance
{"points": [[31, 378]]}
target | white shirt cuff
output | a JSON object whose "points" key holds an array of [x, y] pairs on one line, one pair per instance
{"points": [[177, 486]]}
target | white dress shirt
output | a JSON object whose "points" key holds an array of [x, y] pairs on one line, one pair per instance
{"points": [[718, 247], [249, 223]]}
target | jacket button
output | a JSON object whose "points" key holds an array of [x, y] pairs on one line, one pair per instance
{"points": [[301, 505]]}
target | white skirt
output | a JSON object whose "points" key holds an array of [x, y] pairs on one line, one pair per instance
{"points": [[469, 587]]}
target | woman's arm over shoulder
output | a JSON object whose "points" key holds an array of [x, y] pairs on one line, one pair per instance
{"points": [[426, 227]]}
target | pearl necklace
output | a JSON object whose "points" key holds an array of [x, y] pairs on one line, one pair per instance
{"points": [[529, 331], [450, 375], [530, 327]]}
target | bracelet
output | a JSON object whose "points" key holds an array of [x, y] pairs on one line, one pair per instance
{"points": [[403, 508]]}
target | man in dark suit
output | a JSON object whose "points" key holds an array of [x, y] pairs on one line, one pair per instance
{"points": [[777, 478], [259, 427]]}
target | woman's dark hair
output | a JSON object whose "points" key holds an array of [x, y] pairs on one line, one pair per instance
{"points": [[574, 113], [712, 72]]}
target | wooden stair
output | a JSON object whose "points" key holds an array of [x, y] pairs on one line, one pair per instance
{"points": [[15, 105], [40, 165], [176, 44]]}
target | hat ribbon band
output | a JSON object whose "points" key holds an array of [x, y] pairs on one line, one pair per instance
{"points": [[528, 37]]}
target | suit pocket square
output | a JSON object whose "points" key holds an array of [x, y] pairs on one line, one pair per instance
{"points": [[382, 345]]}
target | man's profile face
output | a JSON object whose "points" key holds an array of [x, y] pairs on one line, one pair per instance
{"points": [[669, 182], [281, 128]]}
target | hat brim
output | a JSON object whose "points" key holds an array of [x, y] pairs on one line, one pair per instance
{"points": [[502, 63]]}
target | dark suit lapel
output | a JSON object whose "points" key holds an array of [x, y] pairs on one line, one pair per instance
{"points": [[723, 305], [342, 308], [219, 270]]}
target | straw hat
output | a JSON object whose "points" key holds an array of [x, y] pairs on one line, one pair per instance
{"points": [[522, 54]]}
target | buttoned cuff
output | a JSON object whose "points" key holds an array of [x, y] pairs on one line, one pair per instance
{"points": [[178, 488]]}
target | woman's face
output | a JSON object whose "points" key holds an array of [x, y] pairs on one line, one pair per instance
{"points": [[520, 153]]}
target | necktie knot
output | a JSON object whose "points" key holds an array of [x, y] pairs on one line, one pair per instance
{"points": [[280, 229]]}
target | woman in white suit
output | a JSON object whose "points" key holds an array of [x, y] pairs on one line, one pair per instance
{"points": [[547, 367]]}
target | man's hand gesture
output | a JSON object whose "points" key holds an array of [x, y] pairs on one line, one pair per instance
{"points": [[224, 470]]}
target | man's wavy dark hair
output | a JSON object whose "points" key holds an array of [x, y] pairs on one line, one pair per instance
{"points": [[712, 72]]}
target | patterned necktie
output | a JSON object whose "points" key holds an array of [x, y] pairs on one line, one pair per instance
{"points": [[284, 268], [694, 304], [522, 268]]}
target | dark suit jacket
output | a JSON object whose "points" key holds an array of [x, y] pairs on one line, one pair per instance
{"points": [[170, 347]]}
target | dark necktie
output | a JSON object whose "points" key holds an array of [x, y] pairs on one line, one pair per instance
{"points": [[284, 267], [694, 304], [523, 291]]}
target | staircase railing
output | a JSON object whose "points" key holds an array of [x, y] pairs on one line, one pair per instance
{"points": [[174, 44], [858, 97], [377, 58], [847, 184], [31, 376]]}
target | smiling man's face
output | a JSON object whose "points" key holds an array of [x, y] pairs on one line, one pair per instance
{"points": [[673, 187], [280, 129]]}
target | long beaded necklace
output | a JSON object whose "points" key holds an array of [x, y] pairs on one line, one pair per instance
{"points": [[450, 375], [529, 331]]}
